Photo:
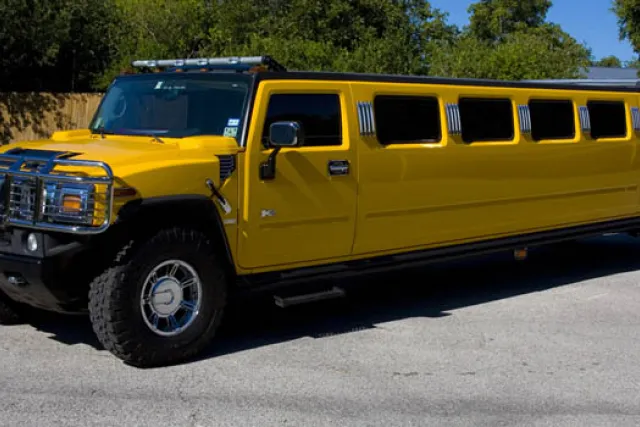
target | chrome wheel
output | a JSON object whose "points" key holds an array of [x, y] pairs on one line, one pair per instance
{"points": [[171, 297]]}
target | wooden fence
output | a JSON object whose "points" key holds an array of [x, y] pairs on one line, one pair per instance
{"points": [[26, 116]]}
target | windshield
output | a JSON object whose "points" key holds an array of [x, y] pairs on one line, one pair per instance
{"points": [[174, 106]]}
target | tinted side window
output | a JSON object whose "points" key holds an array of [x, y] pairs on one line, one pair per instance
{"points": [[552, 119], [319, 115], [486, 119], [608, 119], [406, 119]]}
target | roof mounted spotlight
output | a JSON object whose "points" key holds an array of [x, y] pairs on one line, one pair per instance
{"points": [[230, 63]]}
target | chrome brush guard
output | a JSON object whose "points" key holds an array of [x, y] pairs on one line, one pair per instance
{"points": [[31, 192]]}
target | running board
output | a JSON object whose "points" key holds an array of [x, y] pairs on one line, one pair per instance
{"points": [[285, 302]]}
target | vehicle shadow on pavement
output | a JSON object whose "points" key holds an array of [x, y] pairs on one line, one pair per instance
{"points": [[431, 292]]}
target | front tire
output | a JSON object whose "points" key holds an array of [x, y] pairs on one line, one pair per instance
{"points": [[160, 302]]}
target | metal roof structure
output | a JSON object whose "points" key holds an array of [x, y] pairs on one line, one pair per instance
{"points": [[595, 73]]}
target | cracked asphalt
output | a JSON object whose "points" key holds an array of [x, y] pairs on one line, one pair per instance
{"points": [[552, 341]]}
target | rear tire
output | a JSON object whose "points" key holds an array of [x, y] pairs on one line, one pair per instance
{"points": [[160, 302], [10, 312]]}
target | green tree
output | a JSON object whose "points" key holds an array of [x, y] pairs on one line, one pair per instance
{"points": [[633, 63], [57, 45], [628, 12], [363, 35], [153, 29], [30, 38], [493, 20], [385, 36], [608, 61], [91, 44], [511, 40], [541, 53]]}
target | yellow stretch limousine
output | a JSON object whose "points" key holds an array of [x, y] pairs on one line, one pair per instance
{"points": [[200, 180]]}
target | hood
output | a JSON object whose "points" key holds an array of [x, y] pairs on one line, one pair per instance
{"points": [[124, 153], [142, 164]]}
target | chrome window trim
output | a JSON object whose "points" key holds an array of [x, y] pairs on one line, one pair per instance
{"points": [[585, 120], [366, 118], [454, 122], [635, 118], [524, 115]]}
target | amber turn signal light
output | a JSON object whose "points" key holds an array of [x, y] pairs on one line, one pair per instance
{"points": [[71, 203]]}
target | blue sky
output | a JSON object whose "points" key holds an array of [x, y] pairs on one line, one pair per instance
{"points": [[589, 21]]}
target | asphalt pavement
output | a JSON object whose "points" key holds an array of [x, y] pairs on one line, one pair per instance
{"points": [[551, 341]]}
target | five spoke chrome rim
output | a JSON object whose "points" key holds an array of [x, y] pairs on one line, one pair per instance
{"points": [[170, 298]]}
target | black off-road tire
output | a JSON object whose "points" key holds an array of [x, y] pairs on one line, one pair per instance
{"points": [[114, 300], [10, 311]]}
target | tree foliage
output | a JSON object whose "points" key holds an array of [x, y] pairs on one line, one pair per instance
{"points": [[628, 12], [82, 44], [634, 63], [522, 55], [511, 39], [362, 35], [56, 44], [609, 61], [495, 20]]}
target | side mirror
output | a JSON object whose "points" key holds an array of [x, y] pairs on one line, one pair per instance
{"points": [[285, 134], [281, 134]]}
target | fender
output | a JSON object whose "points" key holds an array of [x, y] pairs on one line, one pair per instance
{"points": [[145, 216]]}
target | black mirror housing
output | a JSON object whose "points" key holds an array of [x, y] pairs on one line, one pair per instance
{"points": [[285, 134], [281, 134]]}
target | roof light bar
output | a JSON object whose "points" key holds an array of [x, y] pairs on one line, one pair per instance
{"points": [[233, 62]]}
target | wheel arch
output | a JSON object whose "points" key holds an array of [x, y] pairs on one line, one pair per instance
{"points": [[143, 218]]}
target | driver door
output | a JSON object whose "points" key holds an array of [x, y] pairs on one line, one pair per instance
{"points": [[306, 213]]}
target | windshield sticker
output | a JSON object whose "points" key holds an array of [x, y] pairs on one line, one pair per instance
{"points": [[231, 131], [161, 85], [233, 122]]}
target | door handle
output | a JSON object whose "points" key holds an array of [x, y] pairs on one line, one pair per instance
{"points": [[338, 167]]}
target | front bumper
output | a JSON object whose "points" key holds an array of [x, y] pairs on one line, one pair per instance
{"points": [[48, 279]]}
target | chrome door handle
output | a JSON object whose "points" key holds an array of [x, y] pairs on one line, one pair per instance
{"points": [[338, 167]]}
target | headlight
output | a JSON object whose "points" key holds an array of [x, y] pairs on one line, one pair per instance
{"points": [[69, 203]]}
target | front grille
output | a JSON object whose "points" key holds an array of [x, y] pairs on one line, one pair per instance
{"points": [[22, 198]]}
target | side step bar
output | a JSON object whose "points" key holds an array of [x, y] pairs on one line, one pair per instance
{"points": [[284, 302]]}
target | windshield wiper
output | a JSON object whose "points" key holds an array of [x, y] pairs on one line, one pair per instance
{"points": [[102, 131], [148, 134], [154, 136]]}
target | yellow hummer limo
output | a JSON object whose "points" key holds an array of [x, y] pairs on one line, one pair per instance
{"points": [[200, 180]]}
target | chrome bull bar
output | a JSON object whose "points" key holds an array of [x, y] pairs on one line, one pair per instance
{"points": [[16, 183]]}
